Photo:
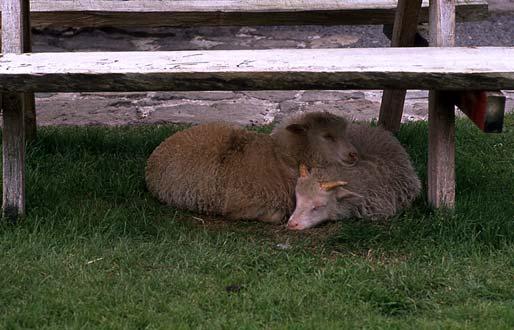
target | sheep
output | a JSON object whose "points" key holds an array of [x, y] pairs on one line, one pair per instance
{"points": [[220, 169], [381, 183]]}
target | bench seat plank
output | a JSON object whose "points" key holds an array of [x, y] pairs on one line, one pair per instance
{"points": [[143, 13], [458, 68]]}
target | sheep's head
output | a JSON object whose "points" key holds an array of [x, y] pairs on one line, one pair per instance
{"points": [[321, 137], [319, 201]]}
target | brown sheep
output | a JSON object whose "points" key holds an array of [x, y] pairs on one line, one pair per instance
{"points": [[224, 170], [381, 183]]}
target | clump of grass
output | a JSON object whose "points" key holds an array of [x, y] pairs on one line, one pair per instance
{"points": [[96, 250]]}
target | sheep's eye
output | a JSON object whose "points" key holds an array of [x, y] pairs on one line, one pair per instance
{"points": [[329, 137], [317, 207]]}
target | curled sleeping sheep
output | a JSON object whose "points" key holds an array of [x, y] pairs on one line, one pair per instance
{"points": [[381, 183], [224, 170], [316, 138]]}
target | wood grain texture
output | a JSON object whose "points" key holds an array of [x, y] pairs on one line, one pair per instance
{"points": [[13, 26], [176, 13], [29, 112], [13, 138], [29, 103], [442, 23], [221, 5], [441, 114], [15, 39], [391, 109], [485, 109], [406, 23], [276, 69], [404, 32]]}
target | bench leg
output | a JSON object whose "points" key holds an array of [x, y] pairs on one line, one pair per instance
{"points": [[29, 110], [13, 138], [441, 149], [441, 114], [391, 109], [16, 38], [29, 106], [404, 32]]}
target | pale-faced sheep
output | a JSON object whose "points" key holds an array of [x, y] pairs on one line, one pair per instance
{"points": [[225, 170], [381, 183]]}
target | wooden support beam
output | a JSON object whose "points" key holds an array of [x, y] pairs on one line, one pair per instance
{"points": [[404, 32], [173, 13], [419, 40], [450, 68], [29, 104], [13, 139], [13, 44], [15, 14], [485, 109], [441, 114]]}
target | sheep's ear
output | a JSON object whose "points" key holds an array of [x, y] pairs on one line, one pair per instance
{"points": [[296, 128], [331, 185], [304, 171], [346, 194]]}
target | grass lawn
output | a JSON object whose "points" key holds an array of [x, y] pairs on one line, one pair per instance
{"points": [[97, 251]]}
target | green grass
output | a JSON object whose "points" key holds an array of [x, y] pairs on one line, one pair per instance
{"points": [[97, 251]]}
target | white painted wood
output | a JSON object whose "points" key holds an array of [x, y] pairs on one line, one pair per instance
{"points": [[357, 68], [441, 114]]}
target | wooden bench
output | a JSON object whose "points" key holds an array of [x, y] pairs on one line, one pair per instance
{"points": [[449, 69], [456, 68], [175, 13], [481, 107]]}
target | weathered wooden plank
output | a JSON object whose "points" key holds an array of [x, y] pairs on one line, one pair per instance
{"points": [[142, 13], [29, 112], [224, 5], [15, 15], [13, 26], [356, 68], [29, 103], [442, 23], [485, 109], [406, 23], [13, 42], [391, 109], [404, 32], [441, 150], [441, 114], [13, 139]]}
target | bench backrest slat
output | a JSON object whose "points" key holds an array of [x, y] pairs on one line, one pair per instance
{"points": [[143, 13]]}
